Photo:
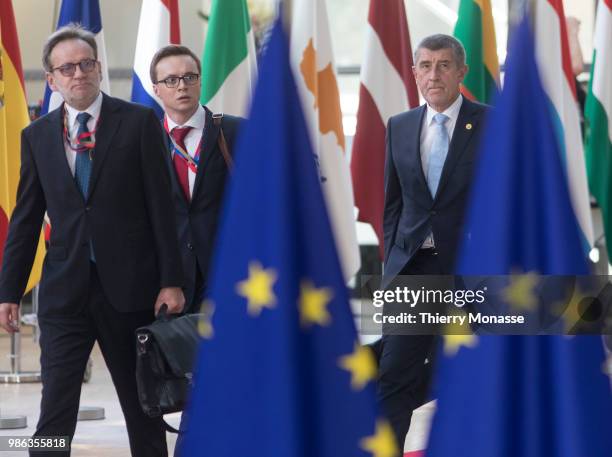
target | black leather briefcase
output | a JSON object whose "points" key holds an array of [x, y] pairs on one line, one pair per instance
{"points": [[165, 355]]}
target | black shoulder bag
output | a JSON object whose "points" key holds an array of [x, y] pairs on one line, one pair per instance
{"points": [[165, 356]]}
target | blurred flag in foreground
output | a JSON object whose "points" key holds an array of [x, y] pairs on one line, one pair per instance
{"points": [[531, 396], [281, 371]]}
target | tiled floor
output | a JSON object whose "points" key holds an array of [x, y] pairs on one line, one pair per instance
{"points": [[107, 437]]}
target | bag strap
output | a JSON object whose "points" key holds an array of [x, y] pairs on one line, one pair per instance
{"points": [[170, 428], [217, 119]]}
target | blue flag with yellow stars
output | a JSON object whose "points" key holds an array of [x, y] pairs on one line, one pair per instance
{"points": [[280, 371], [527, 396]]}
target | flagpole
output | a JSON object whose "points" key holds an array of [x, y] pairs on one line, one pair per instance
{"points": [[286, 7]]}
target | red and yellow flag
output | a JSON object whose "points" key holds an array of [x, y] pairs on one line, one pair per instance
{"points": [[13, 118]]}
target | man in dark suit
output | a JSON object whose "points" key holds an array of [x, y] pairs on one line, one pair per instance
{"points": [[199, 162], [96, 165], [199, 166], [431, 151]]}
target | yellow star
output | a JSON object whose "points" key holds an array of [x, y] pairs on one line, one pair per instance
{"points": [[520, 292], [362, 366], [205, 327], [257, 288], [313, 304], [571, 312], [382, 444], [455, 328], [452, 343]]}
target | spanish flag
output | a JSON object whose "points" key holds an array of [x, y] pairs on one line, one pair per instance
{"points": [[475, 29], [13, 118]]}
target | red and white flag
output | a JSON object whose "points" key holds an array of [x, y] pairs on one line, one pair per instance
{"points": [[387, 88]]}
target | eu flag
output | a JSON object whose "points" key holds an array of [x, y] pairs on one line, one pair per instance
{"points": [[528, 396], [280, 372]]}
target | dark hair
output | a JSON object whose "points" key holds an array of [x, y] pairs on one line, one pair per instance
{"points": [[441, 41], [167, 51], [72, 31]]}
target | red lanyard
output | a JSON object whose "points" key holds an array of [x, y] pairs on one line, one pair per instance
{"points": [[192, 163], [84, 141]]}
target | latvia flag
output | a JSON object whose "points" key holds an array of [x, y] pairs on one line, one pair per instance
{"points": [[387, 88]]}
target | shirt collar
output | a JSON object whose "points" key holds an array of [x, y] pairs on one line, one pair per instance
{"points": [[93, 110], [196, 121], [452, 111]]}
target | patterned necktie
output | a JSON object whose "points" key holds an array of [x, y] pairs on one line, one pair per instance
{"points": [[180, 164], [437, 155], [82, 165]]}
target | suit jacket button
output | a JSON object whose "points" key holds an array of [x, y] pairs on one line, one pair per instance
{"points": [[190, 246], [433, 213], [88, 208]]}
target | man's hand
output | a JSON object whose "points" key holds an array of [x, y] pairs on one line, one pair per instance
{"points": [[171, 296], [9, 317]]}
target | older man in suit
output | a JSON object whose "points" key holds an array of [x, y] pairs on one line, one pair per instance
{"points": [[96, 165], [431, 151]]}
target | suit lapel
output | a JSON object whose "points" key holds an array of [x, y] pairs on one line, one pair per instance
{"points": [[459, 141], [57, 148], [208, 145], [417, 148], [107, 128]]}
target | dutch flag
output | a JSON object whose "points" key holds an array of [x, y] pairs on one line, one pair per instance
{"points": [[158, 26]]}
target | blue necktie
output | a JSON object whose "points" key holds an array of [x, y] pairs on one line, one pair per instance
{"points": [[82, 165], [437, 155]]}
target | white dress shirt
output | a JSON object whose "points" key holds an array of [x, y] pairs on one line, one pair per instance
{"points": [[192, 139], [73, 126], [427, 136]]}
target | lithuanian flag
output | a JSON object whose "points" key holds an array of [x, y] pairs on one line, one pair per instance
{"points": [[13, 118], [475, 29]]}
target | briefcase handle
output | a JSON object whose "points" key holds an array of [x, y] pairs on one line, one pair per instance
{"points": [[162, 314]]}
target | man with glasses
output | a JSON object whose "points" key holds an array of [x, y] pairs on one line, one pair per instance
{"points": [[198, 165], [96, 165], [199, 162]]}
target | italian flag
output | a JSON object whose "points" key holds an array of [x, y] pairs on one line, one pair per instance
{"points": [[475, 29], [229, 64], [598, 117]]}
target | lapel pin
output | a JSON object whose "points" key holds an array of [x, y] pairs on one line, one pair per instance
{"points": [[468, 126]]}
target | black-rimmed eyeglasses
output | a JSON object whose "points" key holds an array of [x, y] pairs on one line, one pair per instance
{"points": [[171, 82], [69, 69]]}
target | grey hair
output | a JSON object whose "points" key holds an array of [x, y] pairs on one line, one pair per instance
{"points": [[440, 41], [71, 31]]}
